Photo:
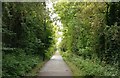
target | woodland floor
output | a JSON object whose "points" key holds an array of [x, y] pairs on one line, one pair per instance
{"points": [[55, 67]]}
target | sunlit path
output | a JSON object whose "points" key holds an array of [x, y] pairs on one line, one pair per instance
{"points": [[55, 67]]}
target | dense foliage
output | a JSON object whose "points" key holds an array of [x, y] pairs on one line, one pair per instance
{"points": [[27, 35], [91, 37], [91, 31]]}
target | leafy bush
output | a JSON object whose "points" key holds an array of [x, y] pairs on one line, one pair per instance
{"points": [[90, 68], [18, 64]]}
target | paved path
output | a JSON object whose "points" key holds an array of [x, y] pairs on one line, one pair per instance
{"points": [[55, 67]]}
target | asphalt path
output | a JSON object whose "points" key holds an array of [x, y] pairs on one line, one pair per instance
{"points": [[56, 67]]}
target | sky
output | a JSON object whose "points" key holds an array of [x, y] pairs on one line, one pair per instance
{"points": [[53, 15]]}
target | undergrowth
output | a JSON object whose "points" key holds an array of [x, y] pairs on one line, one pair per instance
{"points": [[19, 65], [86, 67]]}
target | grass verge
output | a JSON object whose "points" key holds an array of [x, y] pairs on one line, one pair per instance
{"points": [[86, 67], [35, 70]]}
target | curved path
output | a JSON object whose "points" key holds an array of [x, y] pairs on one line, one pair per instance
{"points": [[56, 67]]}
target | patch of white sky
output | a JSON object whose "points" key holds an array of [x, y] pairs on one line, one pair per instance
{"points": [[53, 16]]}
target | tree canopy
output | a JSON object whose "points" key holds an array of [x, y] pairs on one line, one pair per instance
{"points": [[91, 30], [28, 36]]}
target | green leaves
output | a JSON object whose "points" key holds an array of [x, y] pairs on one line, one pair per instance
{"points": [[88, 34], [27, 28], [87, 67], [18, 64]]}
